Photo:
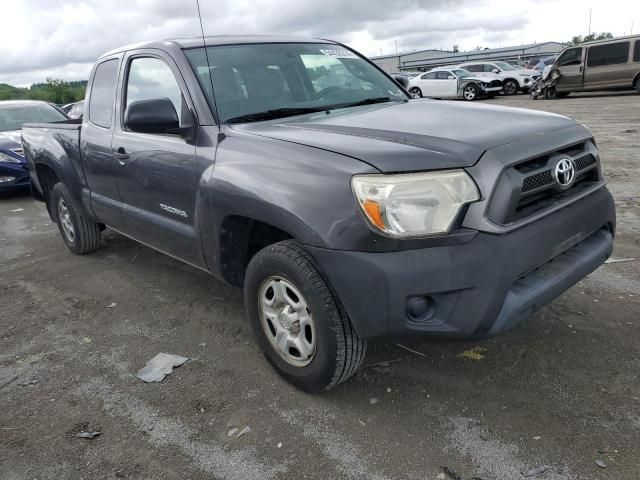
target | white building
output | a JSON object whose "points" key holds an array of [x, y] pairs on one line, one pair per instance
{"points": [[427, 59]]}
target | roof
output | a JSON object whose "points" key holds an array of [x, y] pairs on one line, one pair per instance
{"points": [[216, 40], [22, 102], [606, 40]]}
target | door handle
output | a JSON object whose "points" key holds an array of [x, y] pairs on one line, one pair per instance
{"points": [[121, 155]]}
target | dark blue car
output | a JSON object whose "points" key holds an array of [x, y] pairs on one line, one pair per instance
{"points": [[13, 114]]}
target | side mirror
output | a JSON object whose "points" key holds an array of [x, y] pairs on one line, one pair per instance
{"points": [[157, 115], [401, 80], [451, 77], [495, 70]]}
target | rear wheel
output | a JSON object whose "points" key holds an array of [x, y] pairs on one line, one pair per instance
{"points": [[416, 92], [81, 234], [470, 92], [638, 86], [299, 322], [510, 87]]}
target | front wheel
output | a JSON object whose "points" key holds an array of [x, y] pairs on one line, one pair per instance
{"points": [[416, 92], [510, 87], [81, 234], [299, 322], [470, 92]]}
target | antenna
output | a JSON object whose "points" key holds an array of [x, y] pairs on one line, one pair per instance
{"points": [[206, 54]]}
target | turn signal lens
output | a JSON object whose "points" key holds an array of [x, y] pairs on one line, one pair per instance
{"points": [[372, 209]]}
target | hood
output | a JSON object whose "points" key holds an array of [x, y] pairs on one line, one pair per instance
{"points": [[412, 136], [10, 140]]}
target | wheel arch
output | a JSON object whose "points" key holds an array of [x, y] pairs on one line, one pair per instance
{"points": [[241, 237]]}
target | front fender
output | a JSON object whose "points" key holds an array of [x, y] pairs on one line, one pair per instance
{"points": [[303, 191]]}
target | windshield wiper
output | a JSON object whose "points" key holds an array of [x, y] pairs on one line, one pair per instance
{"points": [[275, 113], [366, 101], [290, 112]]}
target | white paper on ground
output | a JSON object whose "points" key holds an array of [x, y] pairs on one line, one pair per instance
{"points": [[159, 367]]}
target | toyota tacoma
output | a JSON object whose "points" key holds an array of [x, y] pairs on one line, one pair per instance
{"points": [[347, 211]]}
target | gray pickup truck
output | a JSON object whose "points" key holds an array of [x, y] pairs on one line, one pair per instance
{"points": [[347, 211]]}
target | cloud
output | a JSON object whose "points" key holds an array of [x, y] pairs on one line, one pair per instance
{"points": [[62, 38]]}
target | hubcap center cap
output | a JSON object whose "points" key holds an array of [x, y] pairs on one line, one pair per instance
{"points": [[288, 319]]}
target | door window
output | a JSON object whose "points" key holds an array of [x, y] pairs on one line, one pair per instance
{"points": [[610, 54], [636, 51], [151, 78], [487, 68], [443, 75], [474, 68], [573, 56], [429, 76], [103, 93]]}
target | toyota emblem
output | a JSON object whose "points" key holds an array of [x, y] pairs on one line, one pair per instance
{"points": [[564, 172]]}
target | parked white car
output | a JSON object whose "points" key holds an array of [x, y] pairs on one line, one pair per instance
{"points": [[453, 83], [514, 79]]}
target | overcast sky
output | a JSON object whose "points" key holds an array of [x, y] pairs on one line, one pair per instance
{"points": [[61, 38]]}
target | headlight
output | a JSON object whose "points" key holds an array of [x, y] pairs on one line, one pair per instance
{"points": [[4, 157], [414, 204]]}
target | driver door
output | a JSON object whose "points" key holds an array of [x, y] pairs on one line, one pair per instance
{"points": [[570, 64], [156, 173]]}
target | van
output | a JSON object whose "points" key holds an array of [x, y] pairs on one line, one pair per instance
{"points": [[602, 65]]}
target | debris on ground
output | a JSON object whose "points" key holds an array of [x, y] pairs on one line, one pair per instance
{"points": [[535, 472], [601, 463], [619, 260], [475, 353], [86, 339], [29, 382], [232, 432], [451, 474], [111, 305], [373, 401], [384, 363], [410, 350], [17, 210], [279, 445], [89, 434], [159, 367], [244, 431]]}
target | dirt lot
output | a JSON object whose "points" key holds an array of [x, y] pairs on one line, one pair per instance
{"points": [[561, 391]]}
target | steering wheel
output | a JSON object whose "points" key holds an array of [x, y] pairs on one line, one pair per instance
{"points": [[325, 91]]}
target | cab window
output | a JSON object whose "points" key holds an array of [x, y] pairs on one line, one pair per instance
{"points": [[103, 93], [573, 56]]}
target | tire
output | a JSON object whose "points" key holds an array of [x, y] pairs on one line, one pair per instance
{"points": [[470, 92], [330, 349], [510, 87], [81, 234], [638, 86], [552, 94], [415, 92]]}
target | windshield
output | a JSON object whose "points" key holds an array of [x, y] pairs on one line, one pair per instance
{"points": [[462, 73], [506, 66], [12, 117], [299, 77]]}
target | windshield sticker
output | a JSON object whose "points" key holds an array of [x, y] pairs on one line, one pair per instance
{"points": [[338, 53]]}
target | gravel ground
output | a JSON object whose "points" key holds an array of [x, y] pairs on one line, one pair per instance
{"points": [[560, 391]]}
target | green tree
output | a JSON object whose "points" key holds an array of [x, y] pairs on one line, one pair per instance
{"points": [[53, 90], [578, 39]]}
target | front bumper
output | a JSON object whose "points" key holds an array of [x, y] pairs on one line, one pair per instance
{"points": [[492, 89], [13, 176], [477, 289]]}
